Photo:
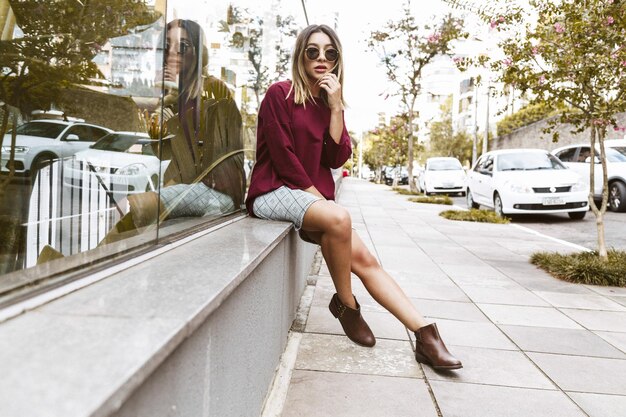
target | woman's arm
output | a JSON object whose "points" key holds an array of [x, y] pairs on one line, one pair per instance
{"points": [[275, 131], [337, 144]]}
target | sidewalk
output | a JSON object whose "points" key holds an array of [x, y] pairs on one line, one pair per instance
{"points": [[531, 345]]}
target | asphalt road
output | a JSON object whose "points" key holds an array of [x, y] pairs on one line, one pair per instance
{"points": [[581, 232]]}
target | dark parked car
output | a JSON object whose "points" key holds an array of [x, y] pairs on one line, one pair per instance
{"points": [[389, 173]]}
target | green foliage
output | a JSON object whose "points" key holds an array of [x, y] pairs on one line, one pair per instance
{"points": [[584, 267], [526, 115], [58, 44], [443, 140], [445, 200], [474, 215], [387, 144], [404, 191], [574, 55]]}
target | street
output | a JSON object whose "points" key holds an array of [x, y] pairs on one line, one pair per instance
{"points": [[581, 232]]}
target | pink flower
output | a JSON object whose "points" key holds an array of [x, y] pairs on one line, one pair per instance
{"points": [[623, 63], [542, 79], [535, 50], [501, 19], [434, 38], [610, 20], [493, 24], [559, 27], [508, 62]]}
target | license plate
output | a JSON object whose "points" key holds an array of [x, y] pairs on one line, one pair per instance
{"points": [[553, 201]]}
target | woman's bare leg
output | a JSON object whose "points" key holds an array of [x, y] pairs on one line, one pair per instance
{"points": [[332, 227], [382, 287]]}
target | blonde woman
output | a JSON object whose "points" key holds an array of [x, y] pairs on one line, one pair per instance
{"points": [[301, 136]]}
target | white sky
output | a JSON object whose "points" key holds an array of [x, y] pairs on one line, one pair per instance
{"points": [[365, 81]]}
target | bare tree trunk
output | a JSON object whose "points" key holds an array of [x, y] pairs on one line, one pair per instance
{"points": [[412, 185], [599, 211]]}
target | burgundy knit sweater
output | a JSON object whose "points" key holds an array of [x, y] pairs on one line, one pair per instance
{"points": [[294, 146]]}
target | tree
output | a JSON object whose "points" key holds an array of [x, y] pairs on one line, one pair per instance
{"points": [[404, 49], [572, 58], [443, 140], [58, 44], [387, 144]]}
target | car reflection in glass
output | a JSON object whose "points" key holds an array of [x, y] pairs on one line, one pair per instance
{"points": [[121, 163]]}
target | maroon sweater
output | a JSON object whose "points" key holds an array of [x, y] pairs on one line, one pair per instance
{"points": [[294, 146]]}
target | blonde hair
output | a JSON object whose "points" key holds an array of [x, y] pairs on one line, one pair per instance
{"points": [[300, 80]]}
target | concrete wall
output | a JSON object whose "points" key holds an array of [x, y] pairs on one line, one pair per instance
{"points": [[226, 366], [531, 136]]}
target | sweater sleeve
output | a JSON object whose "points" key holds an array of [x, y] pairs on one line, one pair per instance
{"points": [[276, 125], [336, 154]]}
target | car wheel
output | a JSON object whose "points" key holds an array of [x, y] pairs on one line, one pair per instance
{"points": [[617, 195], [471, 204], [577, 215], [40, 162], [497, 205]]}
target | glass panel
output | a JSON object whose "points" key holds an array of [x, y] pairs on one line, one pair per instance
{"points": [[126, 121]]}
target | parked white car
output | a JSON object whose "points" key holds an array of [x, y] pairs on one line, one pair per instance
{"points": [[527, 181], [578, 158], [121, 162], [443, 175], [39, 142]]}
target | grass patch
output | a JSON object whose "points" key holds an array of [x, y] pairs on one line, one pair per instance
{"points": [[404, 191], [474, 215], [584, 267], [433, 200]]}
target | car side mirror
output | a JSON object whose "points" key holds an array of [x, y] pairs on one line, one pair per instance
{"points": [[596, 160], [72, 137]]}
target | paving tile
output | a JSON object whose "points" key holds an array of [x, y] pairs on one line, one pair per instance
{"points": [[527, 316], [607, 290], [616, 339], [383, 325], [328, 394], [584, 374], [321, 352], [462, 333], [600, 405], [503, 296], [580, 301], [446, 292], [492, 367], [619, 300], [477, 400], [598, 320], [564, 341], [454, 310]]}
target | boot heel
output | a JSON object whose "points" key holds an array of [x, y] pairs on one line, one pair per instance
{"points": [[352, 322]]}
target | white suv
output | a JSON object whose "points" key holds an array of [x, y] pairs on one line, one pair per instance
{"points": [[577, 157], [41, 141]]}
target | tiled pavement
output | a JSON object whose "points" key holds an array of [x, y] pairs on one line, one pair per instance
{"points": [[531, 345]]}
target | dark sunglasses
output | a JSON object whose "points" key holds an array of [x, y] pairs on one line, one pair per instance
{"points": [[313, 53]]}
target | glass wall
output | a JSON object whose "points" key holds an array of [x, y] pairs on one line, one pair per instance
{"points": [[126, 122]]}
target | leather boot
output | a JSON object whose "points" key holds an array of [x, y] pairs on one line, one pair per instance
{"points": [[352, 322], [430, 349]]}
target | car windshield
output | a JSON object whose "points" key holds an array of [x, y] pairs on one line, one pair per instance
{"points": [[40, 129], [116, 142], [620, 149], [444, 165], [528, 161]]}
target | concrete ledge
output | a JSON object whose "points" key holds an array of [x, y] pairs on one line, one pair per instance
{"points": [[197, 330]]}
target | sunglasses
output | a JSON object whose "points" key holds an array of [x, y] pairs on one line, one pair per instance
{"points": [[313, 53]]}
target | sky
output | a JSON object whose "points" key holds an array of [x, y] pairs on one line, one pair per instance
{"points": [[365, 82]]}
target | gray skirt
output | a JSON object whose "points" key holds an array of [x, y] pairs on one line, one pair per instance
{"points": [[284, 204]]}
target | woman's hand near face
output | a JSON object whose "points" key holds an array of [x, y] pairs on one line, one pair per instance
{"points": [[330, 83]]}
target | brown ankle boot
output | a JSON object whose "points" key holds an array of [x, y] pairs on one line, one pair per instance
{"points": [[352, 322], [430, 349]]}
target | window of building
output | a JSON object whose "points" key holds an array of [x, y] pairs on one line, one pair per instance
{"points": [[145, 144]]}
